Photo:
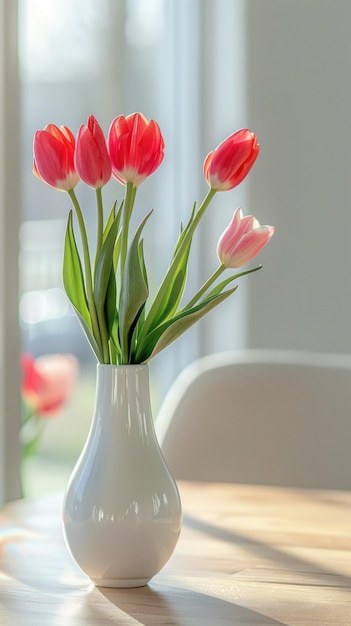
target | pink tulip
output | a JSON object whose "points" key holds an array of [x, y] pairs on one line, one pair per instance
{"points": [[227, 165], [53, 150], [136, 148], [91, 158], [48, 381], [242, 240]]}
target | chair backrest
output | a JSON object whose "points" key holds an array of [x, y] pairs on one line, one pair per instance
{"points": [[264, 417]]}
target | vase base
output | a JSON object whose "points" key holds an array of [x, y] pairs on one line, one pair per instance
{"points": [[120, 583]]}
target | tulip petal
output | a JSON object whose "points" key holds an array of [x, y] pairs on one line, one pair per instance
{"points": [[250, 245]]}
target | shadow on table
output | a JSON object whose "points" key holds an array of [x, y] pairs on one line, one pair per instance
{"points": [[268, 551], [161, 604]]}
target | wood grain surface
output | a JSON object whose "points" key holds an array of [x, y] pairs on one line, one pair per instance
{"points": [[247, 555]]}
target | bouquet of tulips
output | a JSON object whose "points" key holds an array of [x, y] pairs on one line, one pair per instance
{"points": [[110, 293]]}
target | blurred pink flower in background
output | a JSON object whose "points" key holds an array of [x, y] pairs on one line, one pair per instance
{"points": [[48, 382]]}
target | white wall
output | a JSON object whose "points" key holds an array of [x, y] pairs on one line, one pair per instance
{"points": [[298, 68]]}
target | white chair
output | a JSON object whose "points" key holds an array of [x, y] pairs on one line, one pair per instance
{"points": [[262, 417]]}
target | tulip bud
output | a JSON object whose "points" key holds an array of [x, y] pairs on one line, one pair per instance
{"points": [[227, 165], [136, 148], [91, 158], [242, 240], [53, 151]]}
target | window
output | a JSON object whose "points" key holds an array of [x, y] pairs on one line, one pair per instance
{"points": [[163, 58], [120, 59]]}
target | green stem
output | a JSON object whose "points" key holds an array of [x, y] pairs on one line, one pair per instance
{"points": [[127, 212], [104, 337], [101, 314], [175, 263], [205, 287], [100, 221], [199, 213], [87, 268]]}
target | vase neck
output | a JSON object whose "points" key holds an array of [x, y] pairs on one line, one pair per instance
{"points": [[123, 398]]}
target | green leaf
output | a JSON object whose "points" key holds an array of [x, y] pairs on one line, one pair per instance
{"points": [[141, 315], [173, 290], [110, 302], [142, 262], [111, 218], [114, 336], [104, 267], [117, 250], [73, 279], [167, 332], [178, 263], [184, 231], [173, 295], [89, 335], [220, 286], [134, 292]]}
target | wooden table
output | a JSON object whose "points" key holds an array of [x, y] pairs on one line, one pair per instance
{"points": [[247, 555]]}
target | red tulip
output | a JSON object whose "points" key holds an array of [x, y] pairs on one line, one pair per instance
{"points": [[48, 381], [227, 165], [54, 157], [91, 158], [242, 240], [136, 148]]}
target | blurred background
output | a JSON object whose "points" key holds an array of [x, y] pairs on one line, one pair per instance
{"points": [[202, 69]]}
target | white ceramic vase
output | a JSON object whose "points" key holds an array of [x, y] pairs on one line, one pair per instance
{"points": [[122, 512]]}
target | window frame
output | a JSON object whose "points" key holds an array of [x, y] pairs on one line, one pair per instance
{"points": [[10, 408]]}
